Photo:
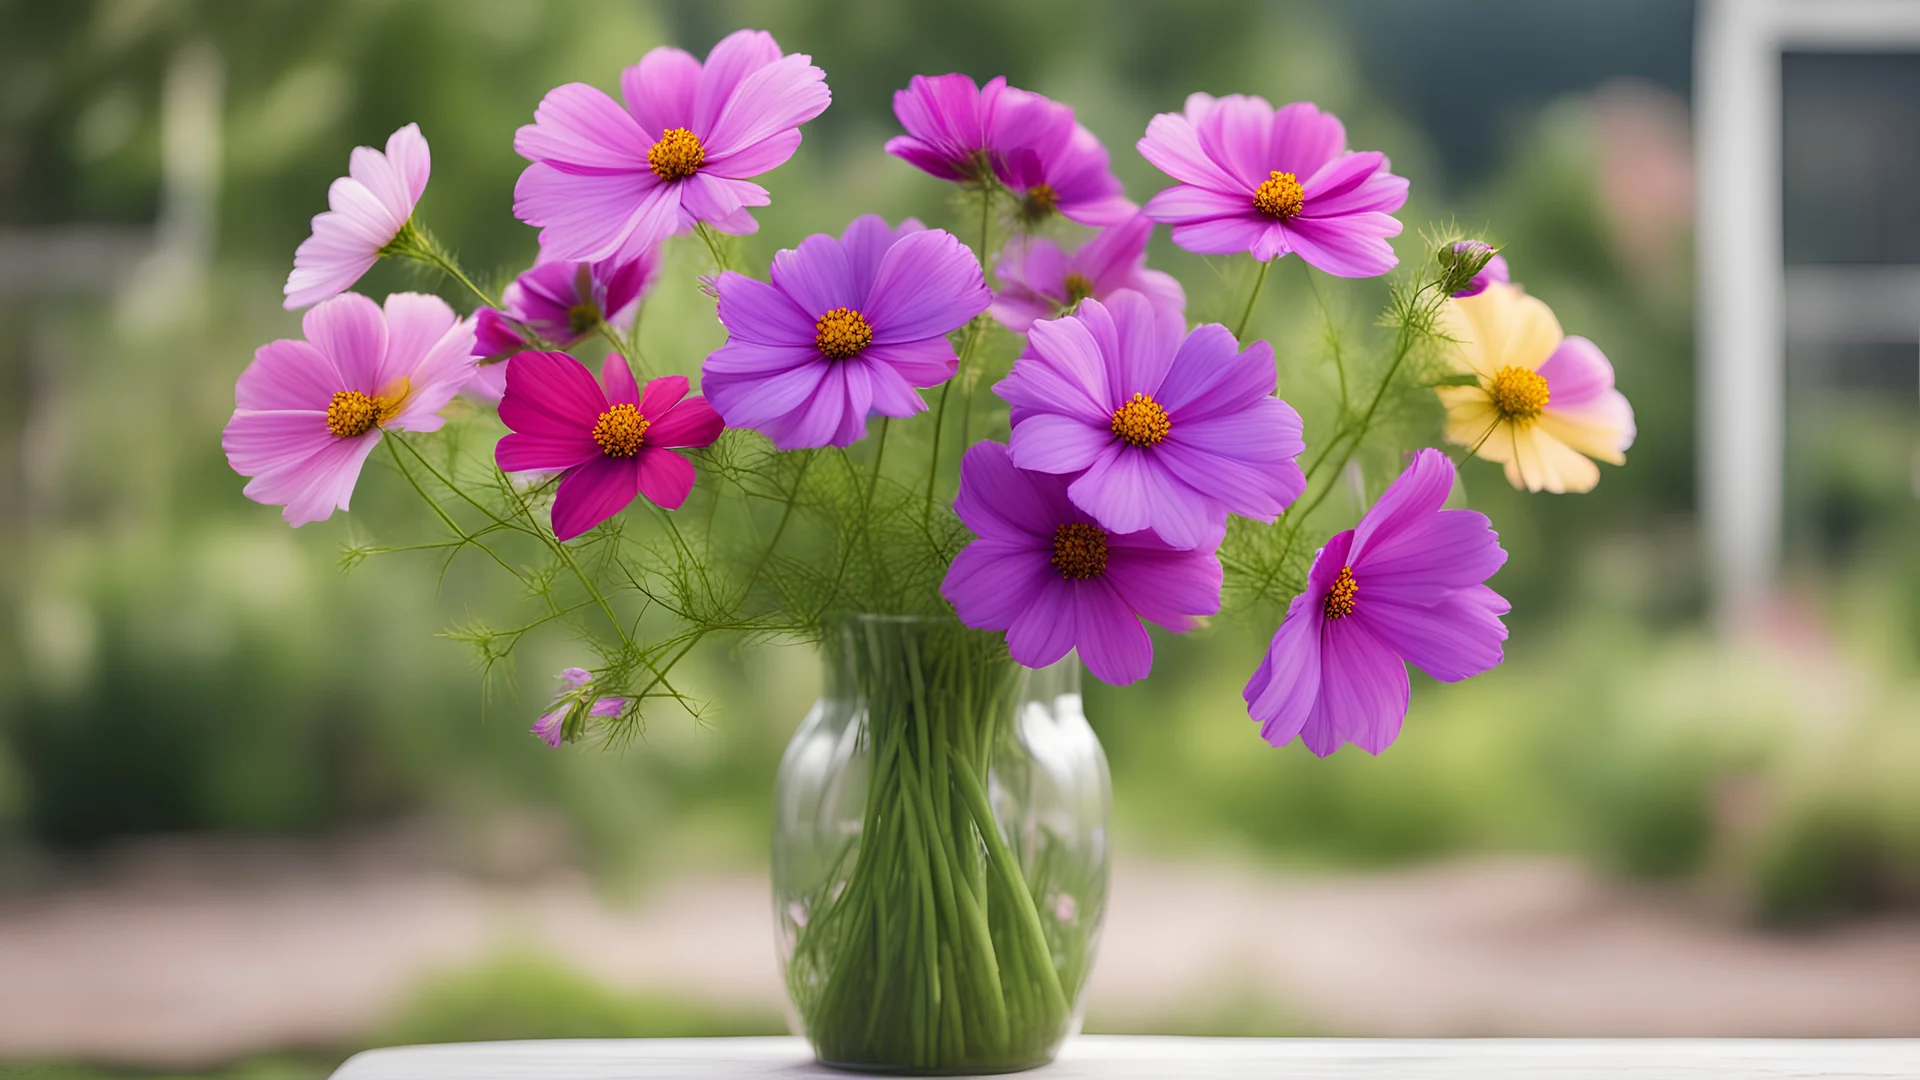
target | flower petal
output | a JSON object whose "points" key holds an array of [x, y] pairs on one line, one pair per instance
{"points": [[592, 493]]}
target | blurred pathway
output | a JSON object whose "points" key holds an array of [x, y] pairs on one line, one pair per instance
{"points": [[182, 962]]}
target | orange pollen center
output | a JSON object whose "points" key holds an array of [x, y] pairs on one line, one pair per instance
{"points": [[1519, 394], [1141, 421], [677, 155], [621, 431], [1281, 196], [1040, 201], [1078, 288], [841, 333], [353, 413], [1079, 551], [1339, 602]]}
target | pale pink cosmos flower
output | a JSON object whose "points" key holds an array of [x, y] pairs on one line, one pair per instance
{"points": [[608, 180], [369, 207], [307, 413], [551, 728]]}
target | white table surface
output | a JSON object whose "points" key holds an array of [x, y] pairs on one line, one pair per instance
{"points": [[1123, 1057]]}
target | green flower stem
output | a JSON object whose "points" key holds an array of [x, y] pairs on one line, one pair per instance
{"points": [[1259, 282], [416, 243]]}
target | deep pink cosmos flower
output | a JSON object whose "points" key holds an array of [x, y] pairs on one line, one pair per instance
{"points": [[609, 181], [551, 728], [958, 131], [1165, 433], [613, 444], [1494, 272], [307, 413], [1269, 183], [368, 208], [559, 303], [1046, 573], [1403, 587], [847, 326], [1041, 279]]}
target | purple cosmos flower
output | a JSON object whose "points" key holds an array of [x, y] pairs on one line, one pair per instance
{"points": [[1041, 279], [613, 444], [551, 727], [1166, 433], [609, 181], [369, 207], [1495, 269], [557, 302], [1046, 573], [958, 131], [1403, 587], [307, 413], [1269, 183], [847, 326]]}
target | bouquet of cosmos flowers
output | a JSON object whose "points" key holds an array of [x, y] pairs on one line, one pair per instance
{"points": [[1036, 462]]}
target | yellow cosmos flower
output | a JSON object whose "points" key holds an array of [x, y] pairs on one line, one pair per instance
{"points": [[1543, 404]]}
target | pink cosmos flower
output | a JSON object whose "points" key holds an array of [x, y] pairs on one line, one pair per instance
{"points": [[559, 303], [1495, 271], [1066, 172], [1403, 587], [1164, 432], [958, 131], [307, 413], [609, 181], [1042, 280], [612, 444], [1269, 183], [1051, 577], [846, 327], [369, 207], [551, 727]]}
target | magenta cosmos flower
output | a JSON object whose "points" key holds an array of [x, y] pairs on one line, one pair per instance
{"points": [[958, 131], [1273, 182], [1041, 279], [558, 303], [607, 180], [1164, 432], [613, 443], [847, 326], [1403, 587], [551, 728], [1494, 272], [368, 208], [1051, 577], [307, 413]]}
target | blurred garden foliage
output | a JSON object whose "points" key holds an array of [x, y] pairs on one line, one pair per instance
{"points": [[179, 660]]}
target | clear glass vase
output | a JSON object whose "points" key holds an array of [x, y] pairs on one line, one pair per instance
{"points": [[939, 853]]}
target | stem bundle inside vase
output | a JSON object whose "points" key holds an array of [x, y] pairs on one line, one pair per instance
{"points": [[924, 944]]}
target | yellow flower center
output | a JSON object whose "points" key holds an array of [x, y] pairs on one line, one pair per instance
{"points": [[1141, 421], [1038, 202], [1281, 196], [583, 317], [1339, 602], [1519, 394], [677, 155], [841, 333], [1078, 288], [352, 413], [621, 431], [1079, 551]]}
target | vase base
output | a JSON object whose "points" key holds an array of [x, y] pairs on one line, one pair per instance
{"points": [[963, 1069]]}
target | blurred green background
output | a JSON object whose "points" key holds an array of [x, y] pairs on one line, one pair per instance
{"points": [[176, 660]]}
